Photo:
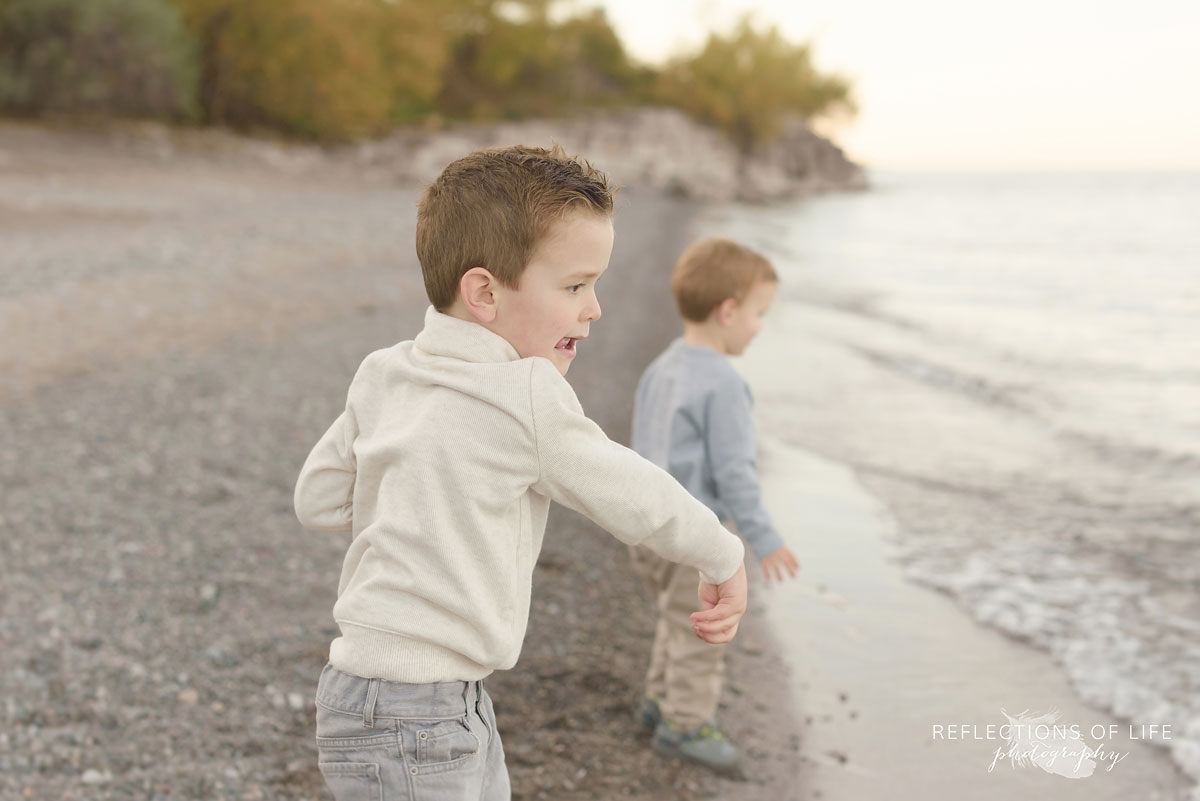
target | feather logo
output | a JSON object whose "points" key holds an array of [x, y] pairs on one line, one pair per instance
{"points": [[1038, 740]]}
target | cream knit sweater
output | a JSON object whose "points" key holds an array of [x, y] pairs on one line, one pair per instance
{"points": [[442, 467]]}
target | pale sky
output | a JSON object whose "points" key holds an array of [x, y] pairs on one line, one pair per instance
{"points": [[968, 84]]}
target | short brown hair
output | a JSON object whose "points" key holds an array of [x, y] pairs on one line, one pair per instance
{"points": [[489, 208], [713, 270]]}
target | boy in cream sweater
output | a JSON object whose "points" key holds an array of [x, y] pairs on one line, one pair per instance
{"points": [[442, 468]]}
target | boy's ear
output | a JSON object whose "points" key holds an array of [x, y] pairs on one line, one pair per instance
{"points": [[477, 288], [723, 312]]}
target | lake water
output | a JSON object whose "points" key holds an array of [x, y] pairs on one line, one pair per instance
{"points": [[1010, 364]]}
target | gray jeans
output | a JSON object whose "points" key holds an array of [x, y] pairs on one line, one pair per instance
{"points": [[384, 741]]}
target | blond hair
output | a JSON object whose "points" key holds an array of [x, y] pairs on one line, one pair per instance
{"points": [[711, 271], [489, 208]]}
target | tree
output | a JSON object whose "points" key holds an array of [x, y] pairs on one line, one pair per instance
{"points": [[327, 69], [514, 59], [131, 57], [747, 83]]}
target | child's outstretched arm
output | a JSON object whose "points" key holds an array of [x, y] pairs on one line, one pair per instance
{"points": [[732, 451], [630, 497], [721, 608], [324, 498], [776, 562]]}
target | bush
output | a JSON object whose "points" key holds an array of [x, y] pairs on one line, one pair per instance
{"points": [[125, 57], [536, 65], [324, 69], [748, 81]]}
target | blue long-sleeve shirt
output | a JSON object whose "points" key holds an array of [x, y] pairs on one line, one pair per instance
{"points": [[693, 417]]}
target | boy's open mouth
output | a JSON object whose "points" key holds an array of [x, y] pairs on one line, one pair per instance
{"points": [[567, 344]]}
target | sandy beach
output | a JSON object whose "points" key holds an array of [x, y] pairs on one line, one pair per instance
{"points": [[177, 326], [174, 333]]}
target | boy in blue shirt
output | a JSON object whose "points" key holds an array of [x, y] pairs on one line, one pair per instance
{"points": [[693, 417]]}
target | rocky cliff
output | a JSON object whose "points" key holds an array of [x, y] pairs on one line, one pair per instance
{"points": [[656, 147]]}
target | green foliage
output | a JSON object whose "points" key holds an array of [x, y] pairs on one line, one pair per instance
{"points": [[512, 60], [343, 69], [747, 82], [326, 69], [129, 57]]}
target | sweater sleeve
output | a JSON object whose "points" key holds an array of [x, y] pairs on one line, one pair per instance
{"points": [[731, 452], [628, 496], [324, 496]]}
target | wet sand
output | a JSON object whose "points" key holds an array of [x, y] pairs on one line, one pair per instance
{"points": [[879, 661]]}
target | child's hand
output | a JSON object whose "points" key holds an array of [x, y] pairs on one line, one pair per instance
{"points": [[722, 606], [778, 561]]}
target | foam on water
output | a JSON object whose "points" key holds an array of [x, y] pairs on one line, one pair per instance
{"points": [[880, 665]]}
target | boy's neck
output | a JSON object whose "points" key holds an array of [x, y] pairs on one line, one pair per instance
{"points": [[458, 311], [704, 335]]}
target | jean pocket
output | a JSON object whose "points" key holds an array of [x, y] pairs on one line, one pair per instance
{"points": [[353, 781], [434, 746]]}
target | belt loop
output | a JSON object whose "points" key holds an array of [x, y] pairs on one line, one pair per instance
{"points": [[479, 699], [369, 706]]}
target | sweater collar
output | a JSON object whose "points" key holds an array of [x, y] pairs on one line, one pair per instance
{"points": [[444, 335]]}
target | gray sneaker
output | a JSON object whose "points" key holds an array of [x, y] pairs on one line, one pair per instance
{"points": [[649, 712], [704, 745]]}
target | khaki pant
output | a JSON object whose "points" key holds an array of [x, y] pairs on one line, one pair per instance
{"points": [[686, 673]]}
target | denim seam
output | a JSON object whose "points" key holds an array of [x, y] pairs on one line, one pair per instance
{"points": [[358, 713], [347, 743]]}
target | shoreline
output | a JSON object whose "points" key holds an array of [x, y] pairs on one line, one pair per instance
{"points": [[900, 688]]}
